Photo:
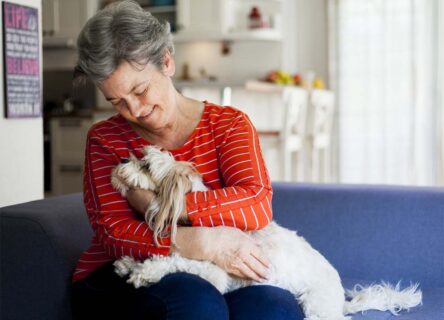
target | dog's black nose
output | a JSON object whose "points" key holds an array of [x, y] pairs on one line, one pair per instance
{"points": [[124, 160]]}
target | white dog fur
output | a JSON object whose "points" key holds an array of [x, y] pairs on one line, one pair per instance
{"points": [[295, 265]]}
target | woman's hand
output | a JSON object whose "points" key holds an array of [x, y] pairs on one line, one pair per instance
{"points": [[229, 248], [237, 253], [139, 199]]}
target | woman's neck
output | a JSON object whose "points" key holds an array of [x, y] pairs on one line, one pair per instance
{"points": [[185, 117]]}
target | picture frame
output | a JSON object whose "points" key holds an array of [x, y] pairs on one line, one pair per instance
{"points": [[21, 61]]}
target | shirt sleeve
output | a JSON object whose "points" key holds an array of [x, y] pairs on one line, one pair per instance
{"points": [[245, 200], [117, 227]]}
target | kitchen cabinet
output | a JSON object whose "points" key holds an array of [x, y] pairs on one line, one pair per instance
{"points": [[200, 20], [191, 20], [163, 10], [68, 139], [62, 20]]}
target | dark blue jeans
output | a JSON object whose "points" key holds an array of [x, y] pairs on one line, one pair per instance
{"points": [[179, 296]]}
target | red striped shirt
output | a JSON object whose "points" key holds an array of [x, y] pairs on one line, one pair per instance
{"points": [[224, 148]]}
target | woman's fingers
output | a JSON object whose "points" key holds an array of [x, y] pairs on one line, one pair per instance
{"points": [[256, 260], [259, 269], [248, 265], [238, 253], [257, 253], [243, 270]]}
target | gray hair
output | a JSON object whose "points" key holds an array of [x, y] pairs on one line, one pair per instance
{"points": [[122, 31]]}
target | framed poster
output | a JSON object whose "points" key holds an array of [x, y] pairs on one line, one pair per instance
{"points": [[21, 61]]}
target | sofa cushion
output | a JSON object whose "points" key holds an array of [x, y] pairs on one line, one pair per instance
{"points": [[369, 232], [40, 242]]}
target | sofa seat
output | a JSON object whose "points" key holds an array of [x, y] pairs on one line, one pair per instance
{"points": [[368, 233]]}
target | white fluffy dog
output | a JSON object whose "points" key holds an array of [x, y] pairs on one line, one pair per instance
{"points": [[295, 265]]}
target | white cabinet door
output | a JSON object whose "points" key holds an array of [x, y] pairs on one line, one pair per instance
{"points": [[67, 178], [68, 140], [71, 17], [227, 20], [50, 20], [201, 16], [65, 18]]}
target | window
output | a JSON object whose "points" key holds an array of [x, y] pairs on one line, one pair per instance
{"points": [[384, 62]]}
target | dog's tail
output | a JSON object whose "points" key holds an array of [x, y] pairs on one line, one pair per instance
{"points": [[383, 297]]}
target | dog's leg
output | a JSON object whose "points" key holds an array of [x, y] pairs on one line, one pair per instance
{"points": [[300, 269], [323, 303], [154, 269]]}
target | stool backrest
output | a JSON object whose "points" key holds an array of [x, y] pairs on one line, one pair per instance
{"points": [[201, 93], [322, 104], [295, 112]]}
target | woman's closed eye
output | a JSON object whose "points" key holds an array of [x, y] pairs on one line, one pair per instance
{"points": [[143, 93], [119, 103]]}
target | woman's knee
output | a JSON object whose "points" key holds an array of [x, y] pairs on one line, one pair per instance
{"points": [[188, 296], [263, 302]]}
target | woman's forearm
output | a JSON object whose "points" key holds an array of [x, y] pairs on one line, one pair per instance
{"points": [[139, 200], [191, 242]]}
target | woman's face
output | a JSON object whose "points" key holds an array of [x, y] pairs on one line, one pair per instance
{"points": [[145, 96]]}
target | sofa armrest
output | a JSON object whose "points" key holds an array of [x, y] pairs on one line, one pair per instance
{"points": [[39, 246], [369, 232]]}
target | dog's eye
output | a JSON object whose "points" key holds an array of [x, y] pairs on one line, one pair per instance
{"points": [[124, 160], [146, 166]]}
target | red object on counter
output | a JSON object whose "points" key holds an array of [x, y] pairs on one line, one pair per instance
{"points": [[255, 17]]}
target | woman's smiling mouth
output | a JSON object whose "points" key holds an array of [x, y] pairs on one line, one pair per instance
{"points": [[146, 116]]}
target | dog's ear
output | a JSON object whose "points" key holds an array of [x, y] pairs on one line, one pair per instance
{"points": [[160, 163], [171, 203]]}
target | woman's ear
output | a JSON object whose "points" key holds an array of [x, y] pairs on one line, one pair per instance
{"points": [[169, 66]]}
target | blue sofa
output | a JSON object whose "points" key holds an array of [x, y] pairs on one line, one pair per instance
{"points": [[370, 233]]}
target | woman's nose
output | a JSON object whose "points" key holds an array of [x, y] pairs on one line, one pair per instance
{"points": [[135, 107]]}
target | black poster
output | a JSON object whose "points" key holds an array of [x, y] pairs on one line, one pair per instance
{"points": [[21, 55]]}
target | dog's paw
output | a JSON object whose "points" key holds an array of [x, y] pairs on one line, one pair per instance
{"points": [[138, 279], [118, 181], [124, 266]]}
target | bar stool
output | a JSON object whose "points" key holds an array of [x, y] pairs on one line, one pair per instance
{"points": [[318, 143], [201, 93], [279, 115]]}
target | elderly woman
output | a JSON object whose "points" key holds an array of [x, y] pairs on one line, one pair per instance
{"points": [[128, 54]]}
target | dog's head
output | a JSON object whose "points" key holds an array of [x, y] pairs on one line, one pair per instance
{"points": [[174, 179], [158, 171], [159, 162], [132, 173]]}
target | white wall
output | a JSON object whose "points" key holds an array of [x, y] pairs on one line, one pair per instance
{"points": [[21, 145], [247, 60], [305, 46], [440, 120]]}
